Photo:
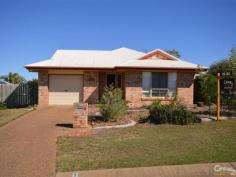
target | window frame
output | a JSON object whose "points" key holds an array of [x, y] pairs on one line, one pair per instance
{"points": [[159, 92]]}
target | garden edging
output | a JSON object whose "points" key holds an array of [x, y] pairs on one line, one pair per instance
{"points": [[130, 124]]}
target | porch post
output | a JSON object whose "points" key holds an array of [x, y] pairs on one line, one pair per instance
{"points": [[91, 89]]}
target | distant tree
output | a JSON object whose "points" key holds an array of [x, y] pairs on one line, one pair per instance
{"points": [[174, 53], [227, 64], [233, 61], [32, 82], [205, 84], [3, 77], [13, 78]]}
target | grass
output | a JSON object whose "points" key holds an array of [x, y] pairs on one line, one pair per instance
{"points": [[155, 145], [8, 115]]}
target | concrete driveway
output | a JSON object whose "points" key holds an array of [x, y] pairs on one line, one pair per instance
{"points": [[28, 144]]}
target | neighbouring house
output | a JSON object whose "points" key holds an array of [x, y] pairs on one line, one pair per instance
{"points": [[2, 82], [80, 75]]}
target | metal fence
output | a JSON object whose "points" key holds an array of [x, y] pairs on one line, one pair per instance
{"points": [[21, 95]]}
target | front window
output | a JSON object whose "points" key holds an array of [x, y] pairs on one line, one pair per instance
{"points": [[159, 84]]}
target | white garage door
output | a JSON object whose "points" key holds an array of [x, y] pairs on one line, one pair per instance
{"points": [[65, 89]]}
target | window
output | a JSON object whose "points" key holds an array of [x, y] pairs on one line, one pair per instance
{"points": [[159, 80], [159, 84]]}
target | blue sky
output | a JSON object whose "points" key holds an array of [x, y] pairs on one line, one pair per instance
{"points": [[202, 30]]}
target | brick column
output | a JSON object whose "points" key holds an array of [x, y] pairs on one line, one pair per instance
{"points": [[90, 90], [80, 115], [102, 83], [133, 88], [43, 95], [185, 82]]}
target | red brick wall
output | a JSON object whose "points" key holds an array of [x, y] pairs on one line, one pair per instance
{"points": [[132, 83], [80, 115], [43, 95], [91, 82], [185, 82], [133, 88]]}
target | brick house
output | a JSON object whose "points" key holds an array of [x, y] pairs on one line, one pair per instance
{"points": [[80, 75]]}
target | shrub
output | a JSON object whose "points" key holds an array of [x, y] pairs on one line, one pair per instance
{"points": [[233, 104], [171, 114], [229, 102], [2, 106], [112, 105], [205, 89]]}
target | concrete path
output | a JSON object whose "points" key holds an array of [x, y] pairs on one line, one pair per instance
{"points": [[28, 144], [196, 170]]}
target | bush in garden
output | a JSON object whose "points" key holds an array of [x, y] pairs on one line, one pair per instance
{"points": [[2, 106], [112, 105], [171, 114], [233, 104]]}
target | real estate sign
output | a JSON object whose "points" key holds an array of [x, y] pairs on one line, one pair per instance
{"points": [[228, 84]]}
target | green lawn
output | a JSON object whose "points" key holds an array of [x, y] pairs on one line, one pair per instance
{"points": [[7, 115], [155, 145]]}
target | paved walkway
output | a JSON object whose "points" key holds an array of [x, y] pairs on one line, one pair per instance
{"points": [[28, 144], [196, 170]]}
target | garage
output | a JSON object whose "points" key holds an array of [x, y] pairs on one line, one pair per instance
{"points": [[65, 89]]}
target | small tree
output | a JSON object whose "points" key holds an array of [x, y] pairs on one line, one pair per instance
{"points": [[174, 53], [227, 64], [205, 89], [112, 105]]}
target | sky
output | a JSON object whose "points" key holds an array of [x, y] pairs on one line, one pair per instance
{"points": [[203, 31]]}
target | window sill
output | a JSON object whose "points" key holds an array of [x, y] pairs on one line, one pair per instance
{"points": [[157, 98]]}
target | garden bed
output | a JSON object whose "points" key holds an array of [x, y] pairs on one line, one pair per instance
{"points": [[96, 120], [207, 115]]}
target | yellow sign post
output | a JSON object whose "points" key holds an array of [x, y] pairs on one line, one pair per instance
{"points": [[218, 96]]}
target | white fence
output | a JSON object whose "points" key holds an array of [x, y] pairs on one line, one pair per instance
{"points": [[6, 90]]}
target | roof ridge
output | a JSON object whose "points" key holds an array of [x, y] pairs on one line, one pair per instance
{"points": [[83, 50], [94, 50]]}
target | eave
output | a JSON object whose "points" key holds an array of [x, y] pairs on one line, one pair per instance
{"points": [[38, 68]]}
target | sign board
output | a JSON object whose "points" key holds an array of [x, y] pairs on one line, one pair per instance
{"points": [[226, 74], [227, 83], [228, 86]]}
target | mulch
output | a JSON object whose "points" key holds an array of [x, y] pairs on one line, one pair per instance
{"points": [[95, 120]]}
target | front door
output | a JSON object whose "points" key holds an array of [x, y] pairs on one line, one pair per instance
{"points": [[115, 80]]}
